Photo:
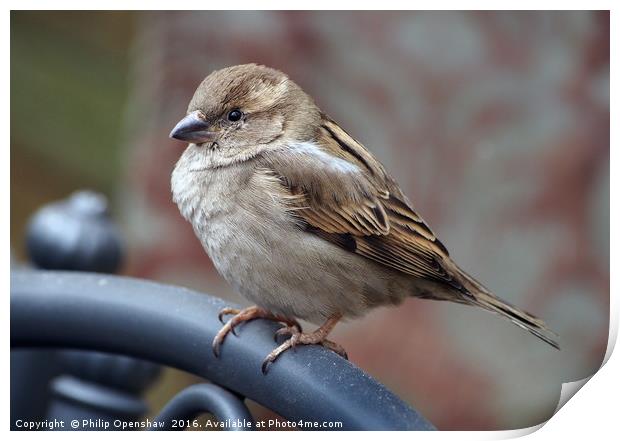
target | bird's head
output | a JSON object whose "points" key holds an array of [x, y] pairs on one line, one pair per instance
{"points": [[241, 110]]}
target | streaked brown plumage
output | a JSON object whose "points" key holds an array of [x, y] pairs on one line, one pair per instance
{"points": [[287, 165]]}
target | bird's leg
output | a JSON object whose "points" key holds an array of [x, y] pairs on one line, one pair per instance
{"points": [[299, 338], [244, 315]]}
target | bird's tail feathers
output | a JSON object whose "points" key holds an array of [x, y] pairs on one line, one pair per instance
{"points": [[482, 297]]}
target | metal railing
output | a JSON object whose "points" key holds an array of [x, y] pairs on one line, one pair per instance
{"points": [[172, 326]]}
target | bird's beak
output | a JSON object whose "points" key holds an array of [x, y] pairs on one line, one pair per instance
{"points": [[193, 128]]}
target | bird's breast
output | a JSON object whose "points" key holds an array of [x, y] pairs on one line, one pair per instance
{"points": [[257, 245]]}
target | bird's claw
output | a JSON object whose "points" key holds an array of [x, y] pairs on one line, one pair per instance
{"points": [[291, 327], [244, 315], [335, 347], [227, 311], [287, 330], [297, 337]]}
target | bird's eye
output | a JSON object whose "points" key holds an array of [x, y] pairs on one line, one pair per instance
{"points": [[234, 115]]}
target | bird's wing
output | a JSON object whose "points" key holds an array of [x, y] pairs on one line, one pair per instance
{"points": [[341, 193]]}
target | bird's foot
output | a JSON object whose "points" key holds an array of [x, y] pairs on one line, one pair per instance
{"points": [[244, 315], [299, 338]]}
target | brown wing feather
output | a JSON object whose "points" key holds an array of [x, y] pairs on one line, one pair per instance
{"points": [[365, 213]]}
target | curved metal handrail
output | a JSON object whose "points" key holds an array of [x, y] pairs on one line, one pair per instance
{"points": [[174, 326], [198, 399]]}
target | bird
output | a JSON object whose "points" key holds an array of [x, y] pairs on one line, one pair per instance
{"points": [[302, 219]]}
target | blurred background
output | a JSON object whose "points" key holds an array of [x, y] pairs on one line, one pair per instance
{"points": [[496, 124]]}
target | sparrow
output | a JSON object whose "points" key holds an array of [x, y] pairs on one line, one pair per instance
{"points": [[301, 219]]}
